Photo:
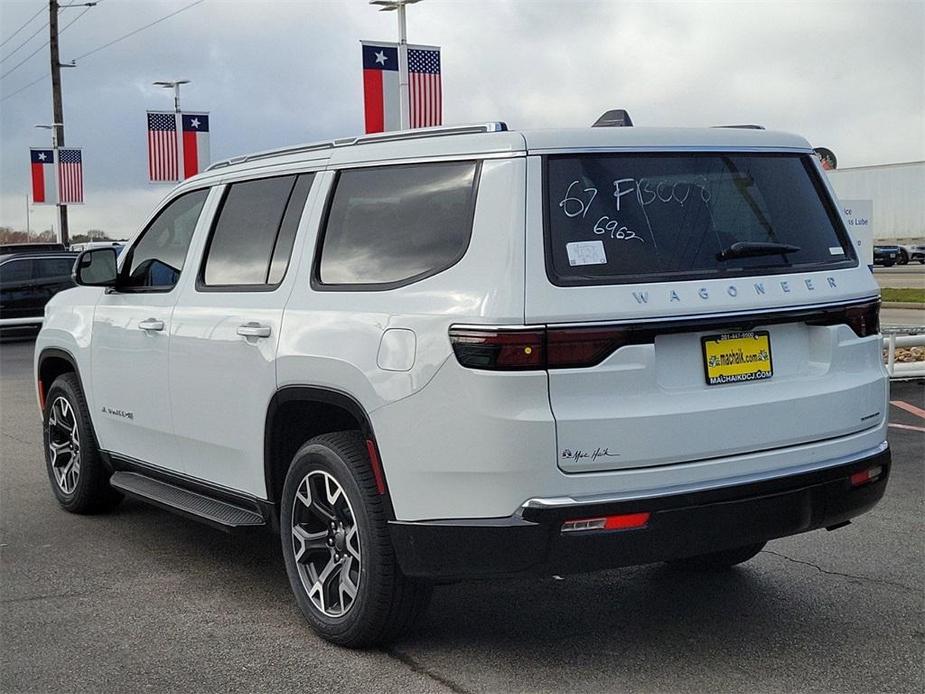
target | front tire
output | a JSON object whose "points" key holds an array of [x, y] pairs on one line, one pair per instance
{"points": [[79, 479], [717, 561], [337, 549]]}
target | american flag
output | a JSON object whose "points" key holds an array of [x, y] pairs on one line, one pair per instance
{"points": [[70, 176], [162, 146], [424, 87]]}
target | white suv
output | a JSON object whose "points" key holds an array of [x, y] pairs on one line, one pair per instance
{"points": [[461, 352]]}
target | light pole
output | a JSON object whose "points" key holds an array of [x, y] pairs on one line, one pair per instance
{"points": [[62, 210], [178, 118], [404, 100]]}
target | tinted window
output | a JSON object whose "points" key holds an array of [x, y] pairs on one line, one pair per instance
{"points": [[52, 267], [288, 228], [16, 271], [245, 231], [625, 218], [157, 258], [397, 223]]}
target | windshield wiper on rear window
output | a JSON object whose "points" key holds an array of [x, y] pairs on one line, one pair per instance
{"points": [[750, 249]]}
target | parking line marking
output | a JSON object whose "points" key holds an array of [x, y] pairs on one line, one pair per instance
{"points": [[906, 426], [909, 408]]}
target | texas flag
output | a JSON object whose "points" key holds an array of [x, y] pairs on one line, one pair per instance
{"points": [[380, 87], [44, 188], [195, 143]]}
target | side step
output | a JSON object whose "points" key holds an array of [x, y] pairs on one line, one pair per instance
{"points": [[219, 514]]}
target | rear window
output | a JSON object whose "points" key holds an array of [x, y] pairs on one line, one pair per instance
{"points": [[619, 218]]}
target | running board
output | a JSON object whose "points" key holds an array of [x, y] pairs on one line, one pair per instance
{"points": [[206, 509]]}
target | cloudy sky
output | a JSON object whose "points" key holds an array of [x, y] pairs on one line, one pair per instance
{"points": [[850, 76]]}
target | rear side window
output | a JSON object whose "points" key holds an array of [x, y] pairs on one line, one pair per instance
{"points": [[647, 217], [254, 231], [389, 226], [16, 271], [43, 268]]}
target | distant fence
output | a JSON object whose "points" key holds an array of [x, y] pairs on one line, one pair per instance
{"points": [[894, 337]]}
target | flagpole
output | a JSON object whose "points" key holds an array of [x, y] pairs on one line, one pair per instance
{"points": [[404, 96], [54, 163], [178, 120], [28, 222]]}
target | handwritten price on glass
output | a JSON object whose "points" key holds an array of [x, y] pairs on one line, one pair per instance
{"points": [[573, 206]]}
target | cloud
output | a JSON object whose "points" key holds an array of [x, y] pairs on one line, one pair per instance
{"points": [[846, 75]]}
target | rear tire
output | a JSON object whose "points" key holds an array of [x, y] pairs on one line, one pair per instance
{"points": [[337, 549], [79, 479], [715, 561]]}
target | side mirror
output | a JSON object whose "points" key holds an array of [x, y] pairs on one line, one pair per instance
{"points": [[96, 267]]}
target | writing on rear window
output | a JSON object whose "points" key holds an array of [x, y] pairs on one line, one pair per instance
{"points": [[676, 214]]}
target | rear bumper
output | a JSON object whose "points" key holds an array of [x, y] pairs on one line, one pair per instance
{"points": [[680, 525]]}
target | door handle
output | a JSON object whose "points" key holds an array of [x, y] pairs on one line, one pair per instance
{"points": [[254, 330], [151, 324]]}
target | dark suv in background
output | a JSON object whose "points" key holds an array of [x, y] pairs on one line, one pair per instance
{"points": [[30, 274]]}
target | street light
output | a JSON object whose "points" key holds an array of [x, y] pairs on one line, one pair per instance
{"points": [[175, 85], [404, 100]]}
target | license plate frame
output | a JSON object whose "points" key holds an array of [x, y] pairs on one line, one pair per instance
{"points": [[744, 356]]}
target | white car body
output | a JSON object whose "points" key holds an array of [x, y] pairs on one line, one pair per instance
{"points": [[193, 398]]}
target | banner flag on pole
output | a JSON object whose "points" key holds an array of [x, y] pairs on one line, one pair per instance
{"points": [[70, 175], [44, 190], [381, 94], [380, 86], [424, 87], [195, 143], [162, 147]]}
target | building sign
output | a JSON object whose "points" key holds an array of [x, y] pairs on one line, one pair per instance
{"points": [[859, 216]]}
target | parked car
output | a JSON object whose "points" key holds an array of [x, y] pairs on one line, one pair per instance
{"points": [[466, 352], [886, 255], [913, 252], [28, 279]]}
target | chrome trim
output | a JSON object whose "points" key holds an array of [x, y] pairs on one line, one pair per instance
{"points": [[623, 149], [9, 322], [692, 317], [565, 501], [417, 134]]}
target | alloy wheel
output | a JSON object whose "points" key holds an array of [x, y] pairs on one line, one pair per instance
{"points": [[326, 543], [64, 444]]}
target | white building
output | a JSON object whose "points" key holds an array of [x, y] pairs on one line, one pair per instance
{"points": [[897, 192]]}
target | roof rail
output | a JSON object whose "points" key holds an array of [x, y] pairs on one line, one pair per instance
{"points": [[743, 127], [419, 133]]}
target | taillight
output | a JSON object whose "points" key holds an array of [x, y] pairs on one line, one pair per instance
{"points": [[863, 319], [499, 349], [505, 349], [579, 347]]}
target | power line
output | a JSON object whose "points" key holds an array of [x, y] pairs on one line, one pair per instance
{"points": [[140, 29], [25, 87], [31, 36], [24, 60], [106, 45], [23, 26]]}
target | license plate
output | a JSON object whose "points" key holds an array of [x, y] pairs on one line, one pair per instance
{"points": [[737, 357]]}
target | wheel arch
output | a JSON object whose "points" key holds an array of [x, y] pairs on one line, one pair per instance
{"points": [[51, 363], [311, 411]]}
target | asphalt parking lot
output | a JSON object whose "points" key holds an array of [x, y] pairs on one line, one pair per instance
{"points": [[141, 600]]}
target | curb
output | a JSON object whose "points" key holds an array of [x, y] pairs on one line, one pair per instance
{"points": [[903, 304]]}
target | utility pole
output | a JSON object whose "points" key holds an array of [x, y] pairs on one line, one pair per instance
{"points": [[58, 108]]}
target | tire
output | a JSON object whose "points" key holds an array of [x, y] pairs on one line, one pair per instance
{"points": [[335, 540], [719, 560], [79, 478]]}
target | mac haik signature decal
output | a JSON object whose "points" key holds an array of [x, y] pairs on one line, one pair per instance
{"points": [[577, 455]]}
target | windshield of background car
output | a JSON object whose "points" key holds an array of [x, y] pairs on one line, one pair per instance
{"points": [[619, 218]]}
